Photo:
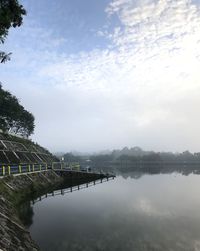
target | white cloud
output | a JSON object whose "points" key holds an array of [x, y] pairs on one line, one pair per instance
{"points": [[131, 92]]}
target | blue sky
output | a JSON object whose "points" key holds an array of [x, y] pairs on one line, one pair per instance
{"points": [[74, 21], [107, 74]]}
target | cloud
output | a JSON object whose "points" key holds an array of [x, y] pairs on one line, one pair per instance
{"points": [[136, 88]]}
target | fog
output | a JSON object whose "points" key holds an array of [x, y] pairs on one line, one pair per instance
{"points": [[108, 75]]}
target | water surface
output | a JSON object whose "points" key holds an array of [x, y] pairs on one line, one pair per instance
{"points": [[135, 211]]}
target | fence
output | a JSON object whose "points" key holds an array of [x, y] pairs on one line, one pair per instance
{"points": [[26, 168]]}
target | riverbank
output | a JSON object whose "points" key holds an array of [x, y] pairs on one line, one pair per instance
{"points": [[17, 190], [13, 191]]}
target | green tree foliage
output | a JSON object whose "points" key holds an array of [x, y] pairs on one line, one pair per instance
{"points": [[13, 117], [11, 15]]}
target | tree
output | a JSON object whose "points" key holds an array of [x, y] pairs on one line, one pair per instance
{"points": [[13, 117], [101, 158], [11, 15]]}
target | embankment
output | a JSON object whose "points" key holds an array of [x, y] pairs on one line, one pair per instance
{"points": [[13, 191]]}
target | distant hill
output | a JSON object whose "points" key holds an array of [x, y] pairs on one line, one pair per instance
{"points": [[137, 154]]}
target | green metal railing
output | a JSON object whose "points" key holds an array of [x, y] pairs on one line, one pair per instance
{"points": [[6, 170]]}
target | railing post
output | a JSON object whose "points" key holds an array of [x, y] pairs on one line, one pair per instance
{"points": [[29, 168], [3, 170], [46, 166], [33, 168], [8, 170], [40, 167], [20, 168], [52, 166]]}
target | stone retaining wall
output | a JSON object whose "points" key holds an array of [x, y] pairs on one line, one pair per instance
{"points": [[14, 190]]}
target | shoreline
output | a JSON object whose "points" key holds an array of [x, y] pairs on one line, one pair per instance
{"points": [[18, 189], [14, 191]]}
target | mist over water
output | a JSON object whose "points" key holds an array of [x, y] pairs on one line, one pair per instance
{"points": [[135, 211], [94, 75]]}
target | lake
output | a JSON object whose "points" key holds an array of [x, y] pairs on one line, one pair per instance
{"points": [[135, 211]]}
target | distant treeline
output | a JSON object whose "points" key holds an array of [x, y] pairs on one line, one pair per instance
{"points": [[134, 154], [137, 154]]}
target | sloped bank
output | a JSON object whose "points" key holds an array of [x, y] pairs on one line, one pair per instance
{"points": [[13, 191]]}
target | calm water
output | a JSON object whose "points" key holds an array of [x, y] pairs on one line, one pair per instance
{"points": [[132, 212]]}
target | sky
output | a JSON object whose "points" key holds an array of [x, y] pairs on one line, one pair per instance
{"points": [[107, 74]]}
